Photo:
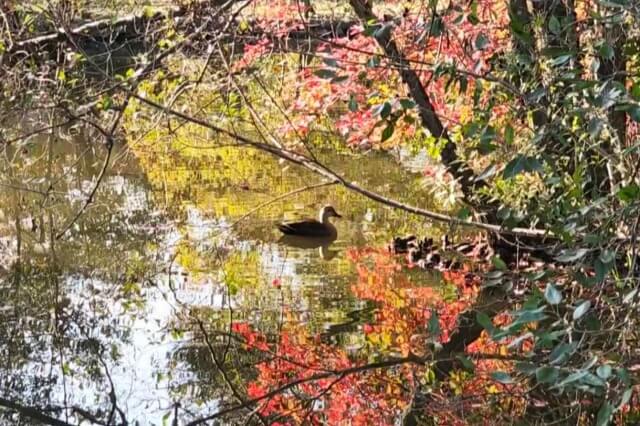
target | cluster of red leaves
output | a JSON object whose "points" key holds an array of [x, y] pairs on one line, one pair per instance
{"points": [[251, 53], [363, 84], [404, 306], [404, 309], [298, 356], [403, 313]]}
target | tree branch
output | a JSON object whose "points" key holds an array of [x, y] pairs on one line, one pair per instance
{"points": [[430, 120], [308, 163]]}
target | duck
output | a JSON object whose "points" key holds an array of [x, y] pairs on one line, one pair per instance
{"points": [[321, 228]]}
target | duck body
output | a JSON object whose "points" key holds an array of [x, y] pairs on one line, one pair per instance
{"points": [[312, 228]]}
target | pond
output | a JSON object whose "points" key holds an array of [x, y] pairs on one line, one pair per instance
{"points": [[170, 298]]}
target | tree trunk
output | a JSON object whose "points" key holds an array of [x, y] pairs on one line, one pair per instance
{"points": [[428, 116]]}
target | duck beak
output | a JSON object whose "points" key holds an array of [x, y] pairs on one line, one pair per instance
{"points": [[337, 215]]}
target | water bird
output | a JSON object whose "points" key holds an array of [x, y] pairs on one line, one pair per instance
{"points": [[321, 228]]}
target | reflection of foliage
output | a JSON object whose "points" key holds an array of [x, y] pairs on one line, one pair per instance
{"points": [[241, 269], [411, 319], [298, 356], [405, 307]]}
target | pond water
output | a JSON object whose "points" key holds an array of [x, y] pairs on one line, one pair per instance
{"points": [[141, 310]]}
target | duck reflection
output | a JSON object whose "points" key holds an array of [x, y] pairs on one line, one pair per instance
{"points": [[310, 243]]}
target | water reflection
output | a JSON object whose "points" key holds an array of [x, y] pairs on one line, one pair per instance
{"points": [[128, 315], [306, 243]]}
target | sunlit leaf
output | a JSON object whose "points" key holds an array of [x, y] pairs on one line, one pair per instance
{"points": [[383, 110], [552, 294], [604, 371], [581, 309], [481, 42], [630, 296], [561, 353], [502, 377], [571, 378], [568, 256], [626, 397]]}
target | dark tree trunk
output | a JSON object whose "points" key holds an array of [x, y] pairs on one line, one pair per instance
{"points": [[428, 116]]}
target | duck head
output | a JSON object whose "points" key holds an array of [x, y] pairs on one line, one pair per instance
{"points": [[326, 212]]}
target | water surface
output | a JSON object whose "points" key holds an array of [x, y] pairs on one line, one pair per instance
{"points": [[113, 315]]}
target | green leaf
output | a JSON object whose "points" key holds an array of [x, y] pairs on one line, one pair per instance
{"points": [[554, 25], [623, 374], [561, 353], [629, 296], [466, 363], [602, 269], [607, 256], [353, 104], [635, 91], [527, 368], [464, 213], [521, 164], [604, 414], [626, 396], [464, 83], [573, 377], [487, 173], [383, 110], [499, 263], [486, 323], [509, 134], [387, 132], [526, 316], [384, 31], [629, 193], [581, 309], [434, 325], [634, 113], [370, 27], [407, 103], [561, 60], [604, 371], [502, 377], [552, 294], [515, 167], [481, 41], [373, 62], [568, 256], [546, 374], [436, 27], [325, 73], [330, 62], [593, 380], [606, 51]]}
